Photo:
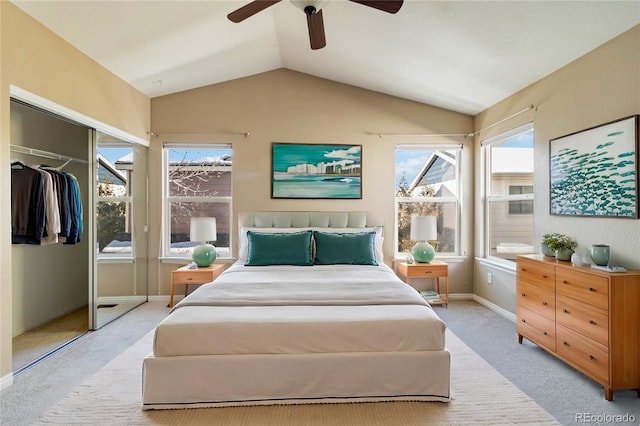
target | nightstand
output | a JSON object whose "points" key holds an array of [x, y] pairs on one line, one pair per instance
{"points": [[435, 269], [188, 277]]}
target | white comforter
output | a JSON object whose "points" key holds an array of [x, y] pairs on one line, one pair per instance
{"points": [[301, 310]]}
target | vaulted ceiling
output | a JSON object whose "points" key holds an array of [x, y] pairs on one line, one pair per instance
{"points": [[460, 55]]}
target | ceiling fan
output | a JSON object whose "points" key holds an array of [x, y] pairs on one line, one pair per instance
{"points": [[313, 10]]}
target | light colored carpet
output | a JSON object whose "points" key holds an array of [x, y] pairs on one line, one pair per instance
{"points": [[481, 396]]}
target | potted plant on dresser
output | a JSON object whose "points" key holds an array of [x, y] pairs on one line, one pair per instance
{"points": [[562, 246]]}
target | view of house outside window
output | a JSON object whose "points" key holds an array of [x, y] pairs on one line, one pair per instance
{"points": [[427, 184], [114, 201], [509, 189], [197, 184]]}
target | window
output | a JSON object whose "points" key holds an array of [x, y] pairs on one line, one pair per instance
{"points": [[114, 201], [197, 184], [509, 193], [427, 184], [520, 206]]}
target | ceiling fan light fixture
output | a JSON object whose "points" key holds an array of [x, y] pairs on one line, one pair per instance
{"points": [[305, 5]]}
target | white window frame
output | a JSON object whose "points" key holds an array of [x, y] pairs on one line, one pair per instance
{"points": [[457, 200], [128, 199], [222, 252], [486, 187]]}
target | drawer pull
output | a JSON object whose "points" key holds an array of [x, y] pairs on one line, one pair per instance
{"points": [[523, 269], [565, 311], [428, 272], [544, 303], [544, 332], [592, 322], [544, 275], [189, 279], [565, 343], [591, 289], [565, 282], [591, 357], [523, 294], [523, 320]]}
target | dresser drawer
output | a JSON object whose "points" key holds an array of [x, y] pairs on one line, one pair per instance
{"points": [[536, 299], [592, 289], [536, 328], [536, 273], [590, 356], [588, 320]]}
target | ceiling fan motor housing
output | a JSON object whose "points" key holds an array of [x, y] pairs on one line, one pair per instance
{"points": [[309, 6]]}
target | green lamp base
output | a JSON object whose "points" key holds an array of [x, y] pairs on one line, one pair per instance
{"points": [[204, 255], [423, 253]]}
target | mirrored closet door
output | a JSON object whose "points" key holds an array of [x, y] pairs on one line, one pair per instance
{"points": [[121, 220]]}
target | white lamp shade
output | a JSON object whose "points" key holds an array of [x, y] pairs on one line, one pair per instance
{"points": [[203, 229], [424, 228]]}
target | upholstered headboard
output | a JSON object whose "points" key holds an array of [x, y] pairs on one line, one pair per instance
{"points": [[303, 219]]}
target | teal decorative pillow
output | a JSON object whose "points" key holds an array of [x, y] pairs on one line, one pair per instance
{"points": [[279, 248], [345, 248]]}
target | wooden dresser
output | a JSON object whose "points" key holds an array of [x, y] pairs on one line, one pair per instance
{"points": [[587, 318]]}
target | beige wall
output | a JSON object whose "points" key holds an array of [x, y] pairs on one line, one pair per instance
{"points": [[287, 106], [36, 60], [602, 86]]}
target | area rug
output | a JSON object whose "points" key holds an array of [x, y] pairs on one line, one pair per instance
{"points": [[480, 396]]}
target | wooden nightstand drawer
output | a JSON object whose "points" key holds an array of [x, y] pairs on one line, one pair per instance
{"points": [[589, 288], [424, 271], [586, 319], [536, 273], [192, 276], [536, 299], [588, 355]]}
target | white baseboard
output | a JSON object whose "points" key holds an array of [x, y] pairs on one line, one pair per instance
{"points": [[461, 296], [6, 381], [165, 299], [495, 308]]}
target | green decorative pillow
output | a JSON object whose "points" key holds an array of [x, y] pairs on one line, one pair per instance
{"points": [[345, 248], [279, 248]]}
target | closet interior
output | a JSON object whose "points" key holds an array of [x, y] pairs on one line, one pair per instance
{"points": [[65, 206]]}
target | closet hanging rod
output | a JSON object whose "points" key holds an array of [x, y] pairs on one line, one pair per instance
{"points": [[44, 154]]}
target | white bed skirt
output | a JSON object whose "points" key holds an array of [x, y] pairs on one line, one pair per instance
{"points": [[240, 380]]}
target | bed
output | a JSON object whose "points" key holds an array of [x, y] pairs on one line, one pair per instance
{"points": [[309, 313]]}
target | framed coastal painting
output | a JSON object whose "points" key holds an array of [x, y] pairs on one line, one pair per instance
{"points": [[316, 171], [594, 172]]}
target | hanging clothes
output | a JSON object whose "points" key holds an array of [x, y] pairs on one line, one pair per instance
{"points": [[75, 204], [28, 214], [52, 214], [46, 206]]}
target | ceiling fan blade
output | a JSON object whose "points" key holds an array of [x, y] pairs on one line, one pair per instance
{"points": [[316, 29], [250, 9], [389, 6]]}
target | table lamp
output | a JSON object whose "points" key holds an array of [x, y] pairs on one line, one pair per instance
{"points": [[203, 230], [423, 229]]}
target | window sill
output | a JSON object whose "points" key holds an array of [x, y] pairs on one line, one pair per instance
{"points": [[504, 265], [115, 259], [183, 260]]}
